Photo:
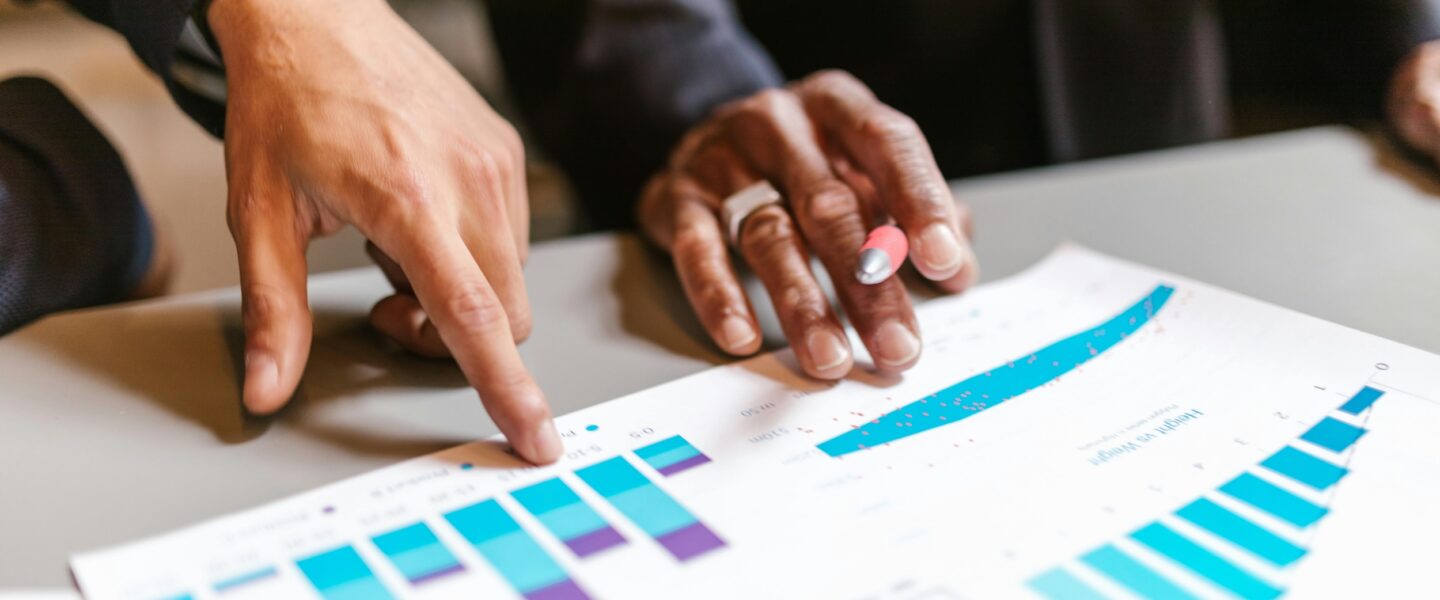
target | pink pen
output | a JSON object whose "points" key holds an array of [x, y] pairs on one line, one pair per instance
{"points": [[881, 256]]}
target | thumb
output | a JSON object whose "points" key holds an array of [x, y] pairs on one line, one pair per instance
{"points": [[271, 248]]}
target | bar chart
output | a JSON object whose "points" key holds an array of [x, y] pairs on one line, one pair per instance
{"points": [[651, 509], [568, 517], [1235, 534], [672, 455], [993, 387]]}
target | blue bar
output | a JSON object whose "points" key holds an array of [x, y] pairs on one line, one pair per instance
{"points": [[1361, 400], [1267, 497], [1304, 468], [341, 574], [516, 555], [570, 518], [1333, 435], [1204, 563], [987, 390], [1133, 574], [1059, 584], [417, 553], [248, 577], [650, 508], [1256, 539], [671, 443], [654, 511]]}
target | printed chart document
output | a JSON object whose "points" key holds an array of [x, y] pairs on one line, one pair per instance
{"points": [[1088, 429]]}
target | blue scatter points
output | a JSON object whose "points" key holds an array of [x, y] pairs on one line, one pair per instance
{"points": [[993, 387]]}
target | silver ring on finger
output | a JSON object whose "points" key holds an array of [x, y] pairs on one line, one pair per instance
{"points": [[740, 205]]}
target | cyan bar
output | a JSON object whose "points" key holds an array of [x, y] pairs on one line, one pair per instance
{"points": [[1361, 400], [1059, 584], [1269, 498], [650, 508], [1133, 574], [516, 555], [568, 517], [670, 457], [1240, 531], [662, 446], [611, 477], [1304, 468], [1203, 562], [417, 553], [341, 574], [242, 579], [1333, 435]]}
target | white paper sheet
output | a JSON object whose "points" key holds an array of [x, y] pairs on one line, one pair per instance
{"points": [[1177, 437]]}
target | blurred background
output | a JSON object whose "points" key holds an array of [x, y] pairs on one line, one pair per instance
{"points": [[180, 169]]}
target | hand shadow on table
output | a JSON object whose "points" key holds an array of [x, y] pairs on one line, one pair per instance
{"points": [[1397, 158], [189, 361]]}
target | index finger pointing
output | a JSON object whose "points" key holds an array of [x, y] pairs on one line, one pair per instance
{"points": [[888, 146], [474, 326]]}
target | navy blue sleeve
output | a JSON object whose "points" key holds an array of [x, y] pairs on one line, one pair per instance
{"points": [[73, 232], [608, 86]]}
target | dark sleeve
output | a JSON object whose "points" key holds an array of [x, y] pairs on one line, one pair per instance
{"points": [[1331, 53], [608, 86], [73, 232], [153, 28]]}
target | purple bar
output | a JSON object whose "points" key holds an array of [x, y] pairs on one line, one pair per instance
{"points": [[565, 590], [690, 541], [694, 461], [428, 577], [595, 541]]}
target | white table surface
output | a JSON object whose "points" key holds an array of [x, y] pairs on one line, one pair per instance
{"points": [[123, 422]]}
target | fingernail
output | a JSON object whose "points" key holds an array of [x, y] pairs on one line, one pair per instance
{"points": [[895, 344], [939, 251], [827, 350], [736, 333], [545, 443]]}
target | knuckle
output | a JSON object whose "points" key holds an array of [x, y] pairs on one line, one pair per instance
{"points": [[832, 80], [526, 412], [475, 309], [263, 304], [889, 126], [766, 103], [766, 233], [692, 244], [829, 202]]}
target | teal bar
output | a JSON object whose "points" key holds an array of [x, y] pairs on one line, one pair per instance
{"points": [[1269, 498], [1203, 562], [1361, 400], [1239, 531], [499, 538], [341, 574], [1304, 468], [653, 510], [611, 477], [662, 446], [1333, 435], [670, 457], [1133, 574], [559, 508], [1059, 584]]}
